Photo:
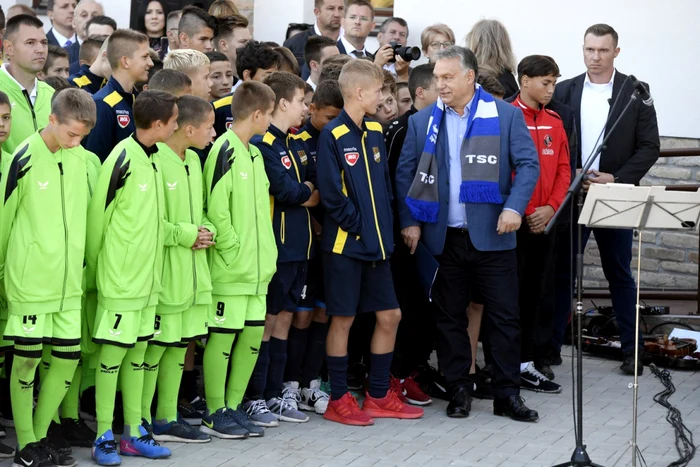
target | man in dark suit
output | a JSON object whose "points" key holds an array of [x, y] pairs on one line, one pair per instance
{"points": [[629, 153], [358, 23], [62, 34], [329, 18], [473, 236]]}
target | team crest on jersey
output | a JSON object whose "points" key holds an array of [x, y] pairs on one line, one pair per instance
{"points": [[286, 162], [229, 125], [123, 120], [547, 140], [351, 158], [303, 157], [377, 154]]}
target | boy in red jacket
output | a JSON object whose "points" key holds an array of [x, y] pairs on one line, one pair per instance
{"points": [[538, 76]]}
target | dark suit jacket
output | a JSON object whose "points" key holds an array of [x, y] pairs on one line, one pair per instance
{"points": [[342, 50], [518, 156], [73, 51], [296, 44], [634, 146]]}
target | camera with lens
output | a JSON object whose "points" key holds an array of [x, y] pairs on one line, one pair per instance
{"points": [[405, 52]]}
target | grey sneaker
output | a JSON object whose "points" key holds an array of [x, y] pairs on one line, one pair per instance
{"points": [[286, 408], [259, 414], [221, 425], [241, 417]]}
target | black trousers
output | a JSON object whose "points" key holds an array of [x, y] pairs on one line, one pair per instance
{"points": [[495, 275], [416, 337], [535, 252]]}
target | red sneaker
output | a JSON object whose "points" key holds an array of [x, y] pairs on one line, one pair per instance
{"points": [[389, 406], [414, 394], [347, 411], [395, 386]]}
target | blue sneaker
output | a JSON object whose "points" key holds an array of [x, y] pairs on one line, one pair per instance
{"points": [[144, 446], [222, 425], [104, 450], [179, 432]]}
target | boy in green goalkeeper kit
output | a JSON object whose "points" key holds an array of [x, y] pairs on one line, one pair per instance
{"points": [[5, 346], [242, 262], [124, 254], [42, 246], [183, 305]]}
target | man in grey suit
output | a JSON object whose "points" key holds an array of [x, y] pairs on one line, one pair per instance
{"points": [[464, 178]]}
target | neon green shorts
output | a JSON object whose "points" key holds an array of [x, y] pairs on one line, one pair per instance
{"points": [[61, 327], [168, 329], [194, 323], [124, 328], [231, 313], [89, 308]]}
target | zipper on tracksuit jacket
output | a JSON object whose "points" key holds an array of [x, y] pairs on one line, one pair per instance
{"points": [[371, 195], [158, 242], [31, 106], [194, 262], [308, 214], [257, 229], [65, 236]]}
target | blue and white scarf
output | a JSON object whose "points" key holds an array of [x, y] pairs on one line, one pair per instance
{"points": [[480, 156]]}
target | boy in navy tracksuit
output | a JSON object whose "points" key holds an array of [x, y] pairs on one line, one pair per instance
{"points": [[292, 175], [307, 336], [356, 241], [115, 118]]}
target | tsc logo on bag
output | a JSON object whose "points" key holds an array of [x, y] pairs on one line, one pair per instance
{"points": [[286, 162], [351, 158]]}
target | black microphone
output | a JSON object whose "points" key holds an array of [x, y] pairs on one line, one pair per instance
{"points": [[642, 91]]}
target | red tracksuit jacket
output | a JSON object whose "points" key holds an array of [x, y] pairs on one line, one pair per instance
{"points": [[547, 131]]}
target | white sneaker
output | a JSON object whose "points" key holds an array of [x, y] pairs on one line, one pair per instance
{"points": [[312, 398]]}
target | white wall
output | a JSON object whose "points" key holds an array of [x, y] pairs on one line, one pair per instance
{"points": [[659, 41]]}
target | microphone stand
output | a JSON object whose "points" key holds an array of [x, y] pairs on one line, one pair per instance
{"points": [[580, 457]]}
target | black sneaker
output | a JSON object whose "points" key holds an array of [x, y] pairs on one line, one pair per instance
{"points": [[627, 366], [357, 374], [555, 358], [199, 404], [6, 451], [188, 413], [482, 386], [58, 440], [438, 388], [33, 455], [533, 380], [77, 433], [87, 404], [56, 454], [545, 369]]}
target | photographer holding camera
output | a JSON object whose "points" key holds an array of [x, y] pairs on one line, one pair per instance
{"points": [[393, 54]]}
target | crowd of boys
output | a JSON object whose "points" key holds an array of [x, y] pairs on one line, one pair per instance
{"points": [[214, 204]]}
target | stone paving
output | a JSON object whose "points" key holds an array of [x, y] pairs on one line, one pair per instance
{"points": [[480, 440]]}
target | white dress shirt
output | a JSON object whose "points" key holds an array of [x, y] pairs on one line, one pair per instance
{"points": [[311, 83], [349, 48], [595, 106], [62, 39]]}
